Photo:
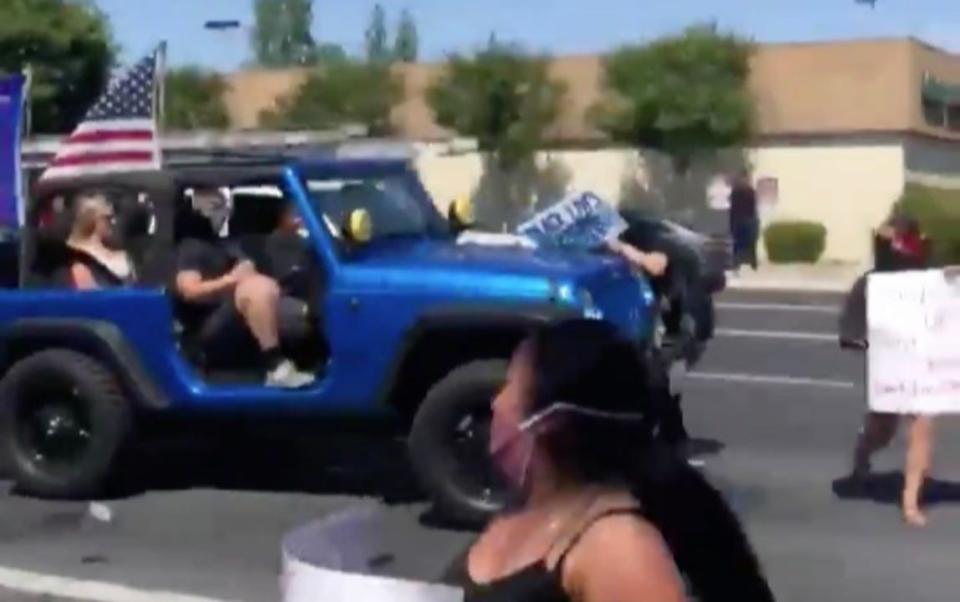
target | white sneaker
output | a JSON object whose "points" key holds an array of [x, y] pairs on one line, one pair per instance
{"points": [[286, 376]]}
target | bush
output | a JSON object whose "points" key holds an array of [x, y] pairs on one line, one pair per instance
{"points": [[795, 242], [938, 212]]}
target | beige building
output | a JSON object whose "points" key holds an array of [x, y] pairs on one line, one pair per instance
{"points": [[842, 127]]}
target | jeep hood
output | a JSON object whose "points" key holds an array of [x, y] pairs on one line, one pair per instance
{"points": [[447, 256]]}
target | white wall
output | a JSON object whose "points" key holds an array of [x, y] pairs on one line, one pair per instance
{"points": [[451, 175], [848, 186]]}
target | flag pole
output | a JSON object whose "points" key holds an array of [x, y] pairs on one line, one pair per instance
{"points": [[160, 75], [27, 101], [26, 128], [159, 91]]}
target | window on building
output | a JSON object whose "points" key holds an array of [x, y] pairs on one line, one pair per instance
{"points": [[941, 103], [934, 112], [953, 117]]}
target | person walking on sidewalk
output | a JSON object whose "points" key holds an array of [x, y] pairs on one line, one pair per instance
{"points": [[744, 221]]}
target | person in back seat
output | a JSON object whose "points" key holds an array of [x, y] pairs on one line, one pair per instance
{"points": [[224, 290], [94, 259]]}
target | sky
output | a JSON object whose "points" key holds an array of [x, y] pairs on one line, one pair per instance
{"points": [[556, 26]]}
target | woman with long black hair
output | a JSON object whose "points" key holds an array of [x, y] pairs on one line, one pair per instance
{"points": [[603, 513]]}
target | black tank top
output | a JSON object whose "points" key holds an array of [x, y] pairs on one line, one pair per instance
{"points": [[535, 583], [102, 275]]}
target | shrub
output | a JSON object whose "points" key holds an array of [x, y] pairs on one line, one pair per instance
{"points": [[938, 212], [795, 242]]}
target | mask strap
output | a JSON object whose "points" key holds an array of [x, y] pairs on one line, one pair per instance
{"points": [[562, 406]]}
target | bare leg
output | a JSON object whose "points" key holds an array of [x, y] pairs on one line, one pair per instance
{"points": [[877, 432], [919, 451], [256, 298]]}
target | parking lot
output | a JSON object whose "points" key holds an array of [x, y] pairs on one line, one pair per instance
{"points": [[775, 399]]}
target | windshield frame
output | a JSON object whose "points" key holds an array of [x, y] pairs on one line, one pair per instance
{"points": [[432, 224]]}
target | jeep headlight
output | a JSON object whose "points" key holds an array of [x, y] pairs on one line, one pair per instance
{"points": [[590, 309], [582, 299]]}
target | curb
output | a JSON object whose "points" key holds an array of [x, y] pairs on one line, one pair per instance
{"points": [[788, 285]]}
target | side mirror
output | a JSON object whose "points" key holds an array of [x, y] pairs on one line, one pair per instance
{"points": [[461, 213], [359, 226]]}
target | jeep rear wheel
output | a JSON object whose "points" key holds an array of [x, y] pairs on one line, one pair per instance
{"points": [[63, 420], [449, 442]]}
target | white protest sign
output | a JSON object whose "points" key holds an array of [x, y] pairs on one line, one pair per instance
{"points": [[718, 193], [333, 560], [913, 321]]}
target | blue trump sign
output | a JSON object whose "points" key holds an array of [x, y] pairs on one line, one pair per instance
{"points": [[582, 220], [12, 90]]}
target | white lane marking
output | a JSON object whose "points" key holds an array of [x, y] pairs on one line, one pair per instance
{"points": [[818, 309], [822, 337], [764, 379], [88, 591]]}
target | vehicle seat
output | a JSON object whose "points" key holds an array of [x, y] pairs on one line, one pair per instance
{"points": [[133, 227], [48, 255], [253, 219]]}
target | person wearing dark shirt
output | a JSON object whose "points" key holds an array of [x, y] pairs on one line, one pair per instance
{"points": [[219, 283], [900, 245], [286, 251], [744, 222]]}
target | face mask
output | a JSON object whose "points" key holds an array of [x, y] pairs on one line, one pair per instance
{"points": [[512, 451], [512, 446]]}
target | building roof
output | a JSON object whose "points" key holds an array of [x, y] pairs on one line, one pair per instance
{"points": [[828, 88]]}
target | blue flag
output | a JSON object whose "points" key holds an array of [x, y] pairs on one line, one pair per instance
{"points": [[12, 101]]}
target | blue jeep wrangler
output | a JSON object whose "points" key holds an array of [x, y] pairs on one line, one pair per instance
{"points": [[400, 323]]}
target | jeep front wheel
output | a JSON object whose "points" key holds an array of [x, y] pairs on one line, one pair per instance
{"points": [[449, 443], [63, 420]]}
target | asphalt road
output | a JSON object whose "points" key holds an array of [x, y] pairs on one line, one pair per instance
{"points": [[774, 394]]}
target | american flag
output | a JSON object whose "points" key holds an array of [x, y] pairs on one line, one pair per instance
{"points": [[119, 133]]}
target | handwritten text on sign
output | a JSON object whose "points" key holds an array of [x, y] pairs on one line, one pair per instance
{"points": [[914, 333]]}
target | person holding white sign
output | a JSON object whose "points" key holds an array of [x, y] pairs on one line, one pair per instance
{"points": [[603, 512], [913, 363]]}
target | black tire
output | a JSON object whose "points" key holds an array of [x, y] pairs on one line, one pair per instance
{"points": [[449, 439], [83, 414]]}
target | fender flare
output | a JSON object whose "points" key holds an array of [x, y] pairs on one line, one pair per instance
{"points": [[99, 339], [468, 316]]}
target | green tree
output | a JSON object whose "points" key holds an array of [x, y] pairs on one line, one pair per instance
{"points": [[281, 35], [330, 53], [502, 97], [376, 36], [194, 100], [685, 95], [406, 47], [339, 93], [506, 100], [68, 45]]}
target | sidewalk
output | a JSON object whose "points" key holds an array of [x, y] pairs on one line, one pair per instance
{"points": [[825, 277]]}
